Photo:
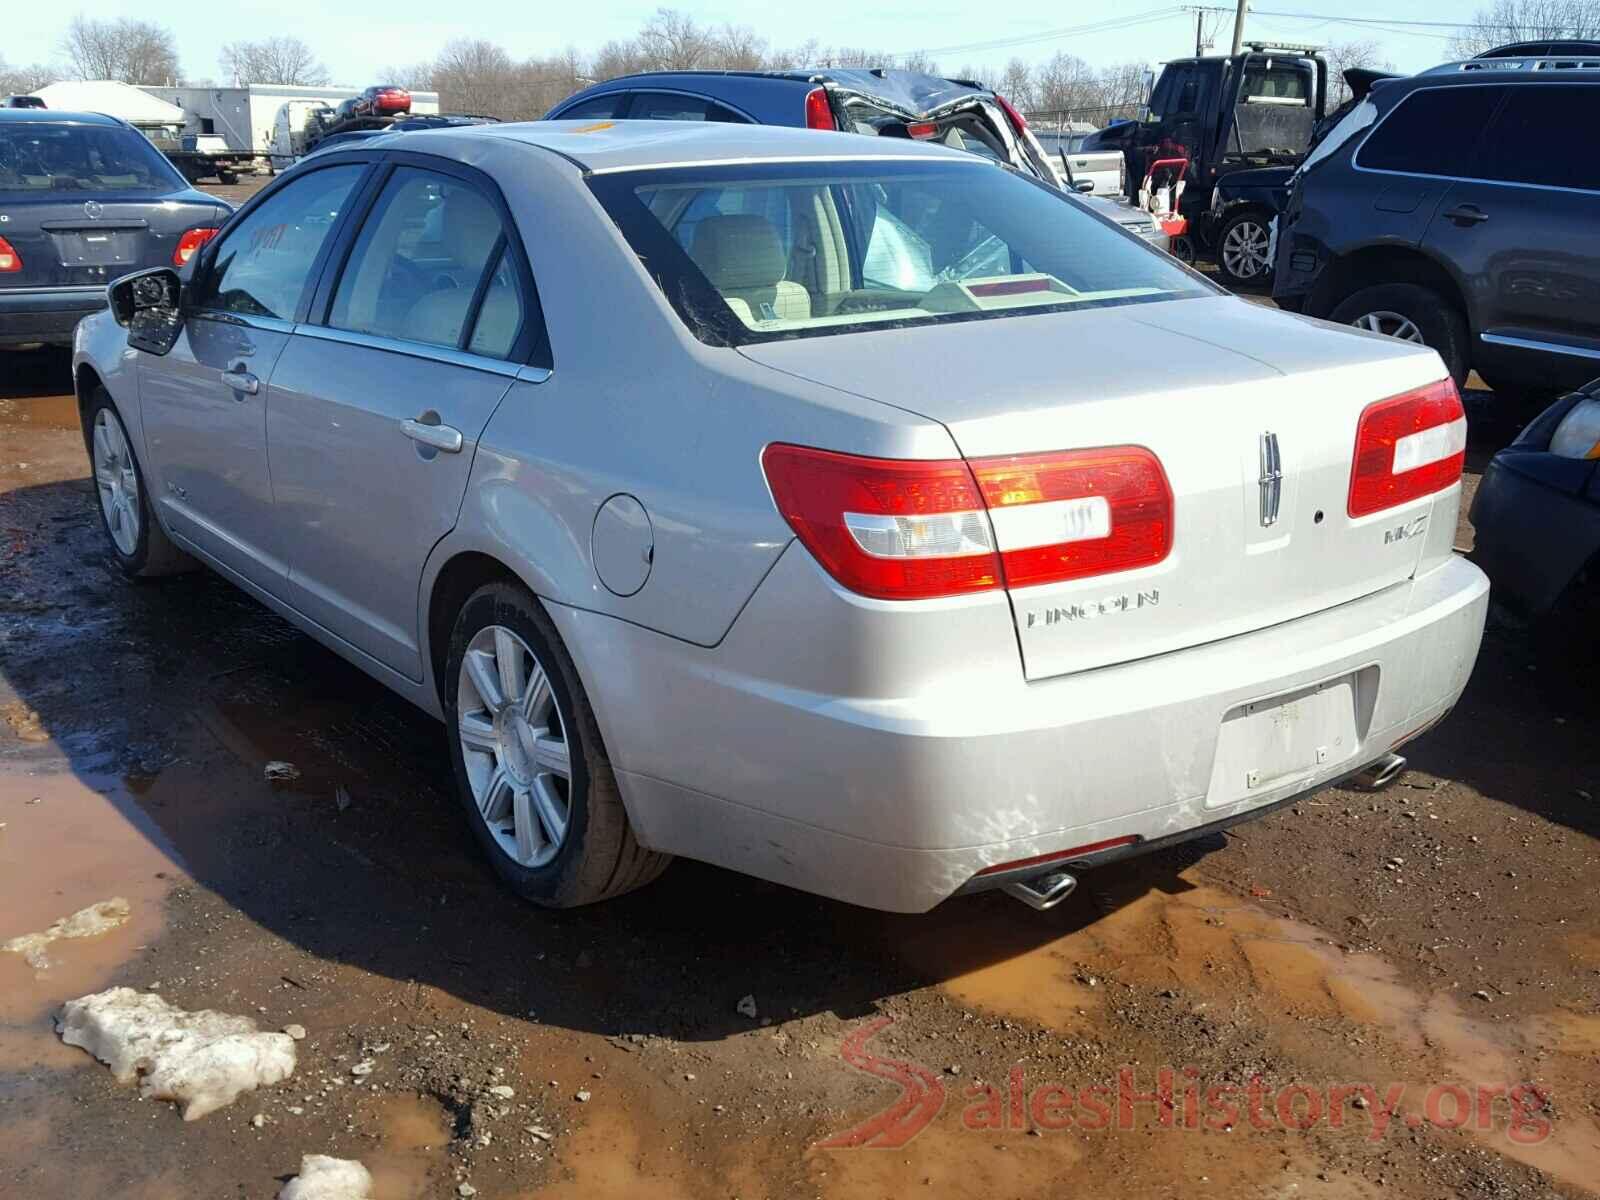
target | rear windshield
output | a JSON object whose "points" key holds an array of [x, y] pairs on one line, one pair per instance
{"points": [[36, 157], [782, 250]]}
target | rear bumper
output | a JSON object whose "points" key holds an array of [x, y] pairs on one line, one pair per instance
{"points": [[1530, 538], [898, 801], [47, 315]]}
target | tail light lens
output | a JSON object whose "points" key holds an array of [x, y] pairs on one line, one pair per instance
{"points": [[922, 130], [1074, 513], [189, 243], [1012, 114], [902, 530], [1408, 446], [819, 113], [10, 260]]}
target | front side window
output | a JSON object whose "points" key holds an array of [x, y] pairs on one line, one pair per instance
{"points": [[66, 160], [416, 268], [1546, 135], [1434, 131], [264, 263], [798, 249]]}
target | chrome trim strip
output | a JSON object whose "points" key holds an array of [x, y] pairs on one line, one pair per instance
{"points": [[761, 160], [1502, 339], [247, 320], [444, 354], [531, 374]]}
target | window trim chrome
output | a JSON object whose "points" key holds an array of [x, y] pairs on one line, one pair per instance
{"points": [[1521, 343], [422, 350]]}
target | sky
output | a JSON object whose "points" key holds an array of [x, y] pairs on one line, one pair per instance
{"points": [[356, 40]]}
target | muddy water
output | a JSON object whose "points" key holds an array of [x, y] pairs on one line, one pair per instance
{"points": [[410, 1161]]}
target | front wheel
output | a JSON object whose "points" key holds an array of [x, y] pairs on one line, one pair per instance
{"points": [[138, 543], [1243, 245], [531, 771], [1411, 313]]}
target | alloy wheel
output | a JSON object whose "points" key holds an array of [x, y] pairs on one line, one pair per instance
{"points": [[514, 745], [117, 481], [1390, 324], [1244, 250]]}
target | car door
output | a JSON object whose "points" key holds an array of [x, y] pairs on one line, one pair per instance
{"points": [[204, 404], [1521, 230], [379, 400]]}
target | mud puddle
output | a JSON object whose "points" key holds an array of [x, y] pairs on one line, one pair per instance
{"points": [[410, 1161]]}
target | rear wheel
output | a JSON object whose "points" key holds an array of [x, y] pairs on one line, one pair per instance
{"points": [[139, 544], [1242, 250], [1411, 313], [531, 772], [227, 178]]}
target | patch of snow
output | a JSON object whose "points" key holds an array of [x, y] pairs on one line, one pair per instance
{"points": [[86, 922], [203, 1060], [325, 1178]]}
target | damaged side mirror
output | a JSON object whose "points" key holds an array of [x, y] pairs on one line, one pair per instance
{"points": [[149, 304]]}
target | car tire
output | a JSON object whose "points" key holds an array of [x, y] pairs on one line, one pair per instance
{"points": [[138, 543], [1242, 250], [557, 839], [1413, 313], [227, 178]]}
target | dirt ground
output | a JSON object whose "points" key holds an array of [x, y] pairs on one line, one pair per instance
{"points": [[1441, 935]]}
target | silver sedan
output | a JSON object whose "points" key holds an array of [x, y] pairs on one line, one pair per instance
{"points": [[842, 511]]}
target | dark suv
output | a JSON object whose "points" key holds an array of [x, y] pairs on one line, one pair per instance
{"points": [[1458, 208]]}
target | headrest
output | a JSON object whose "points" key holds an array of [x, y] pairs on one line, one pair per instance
{"points": [[739, 251]]}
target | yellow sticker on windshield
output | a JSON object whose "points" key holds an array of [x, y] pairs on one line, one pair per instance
{"points": [[595, 128]]}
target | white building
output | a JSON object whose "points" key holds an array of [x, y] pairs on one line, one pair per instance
{"points": [[244, 116]]}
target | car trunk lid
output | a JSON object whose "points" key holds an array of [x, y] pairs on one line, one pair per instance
{"points": [[1201, 384], [79, 240]]}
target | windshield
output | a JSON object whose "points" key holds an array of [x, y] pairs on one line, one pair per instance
{"points": [[37, 157], [780, 250]]}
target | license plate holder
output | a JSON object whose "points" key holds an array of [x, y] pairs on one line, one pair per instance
{"points": [[98, 247], [1266, 745]]}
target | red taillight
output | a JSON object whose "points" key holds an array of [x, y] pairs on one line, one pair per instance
{"points": [[901, 530], [10, 260], [922, 129], [819, 113], [1408, 446], [1072, 513], [1012, 114], [1040, 860], [189, 243]]}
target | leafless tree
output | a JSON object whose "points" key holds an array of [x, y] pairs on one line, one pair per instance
{"points": [[272, 60], [1527, 21], [475, 75], [19, 80], [416, 77], [126, 50], [672, 41]]}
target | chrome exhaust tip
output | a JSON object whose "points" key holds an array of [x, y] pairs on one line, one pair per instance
{"points": [[1042, 891], [1376, 776]]}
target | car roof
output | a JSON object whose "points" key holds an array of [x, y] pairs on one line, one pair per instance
{"points": [[58, 116], [604, 146]]}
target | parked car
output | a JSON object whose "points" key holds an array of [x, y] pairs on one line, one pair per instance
{"points": [[1240, 224], [426, 121], [1549, 48], [818, 573], [1536, 517], [958, 113], [84, 198], [1456, 208], [23, 102], [382, 100], [1104, 171]]}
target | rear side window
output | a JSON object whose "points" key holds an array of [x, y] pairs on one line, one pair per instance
{"points": [[668, 106], [419, 265], [1435, 131], [67, 160], [263, 264], [596, 108], [1547, 135]]}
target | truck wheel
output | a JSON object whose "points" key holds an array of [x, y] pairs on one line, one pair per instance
{"points": [[1242, 250], [531, 771], [1412, 313], [227, 178]]}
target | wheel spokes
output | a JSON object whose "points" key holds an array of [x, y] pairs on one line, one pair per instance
{"points": [[481, 670], [552, 810], [496, 801], [478, 733], [550, 754], [537, 701], [508, 654], [530, 830]]}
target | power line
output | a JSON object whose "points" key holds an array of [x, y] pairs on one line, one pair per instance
{"points": [[1115, 23]]}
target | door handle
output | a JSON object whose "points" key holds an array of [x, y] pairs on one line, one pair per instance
{"points": [[1466, 214], [440, 437], [240, 380]]}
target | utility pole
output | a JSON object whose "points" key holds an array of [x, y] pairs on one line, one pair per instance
{"points": [[1238, 26], [1199, 32]]}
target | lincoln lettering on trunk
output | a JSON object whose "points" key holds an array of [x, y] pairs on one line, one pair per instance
{"points": [[1090, 610]]}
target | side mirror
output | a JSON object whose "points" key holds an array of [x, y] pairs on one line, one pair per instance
{"points": [[149, 305], [1083, 185]]}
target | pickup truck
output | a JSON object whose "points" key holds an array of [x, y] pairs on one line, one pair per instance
{"points": [[1105, 171]]}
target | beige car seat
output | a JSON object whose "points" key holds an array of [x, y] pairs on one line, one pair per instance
{"points": [[743, 257]]}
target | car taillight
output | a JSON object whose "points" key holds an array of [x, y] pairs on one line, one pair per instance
{"points": [[922, 130], [901, 530], [1012, 114], [189, 243], [819, 113], [1408, 446], [1073, 513], [10, 260]]}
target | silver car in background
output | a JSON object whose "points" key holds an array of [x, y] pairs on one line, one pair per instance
{"points": [[719, 488]]}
